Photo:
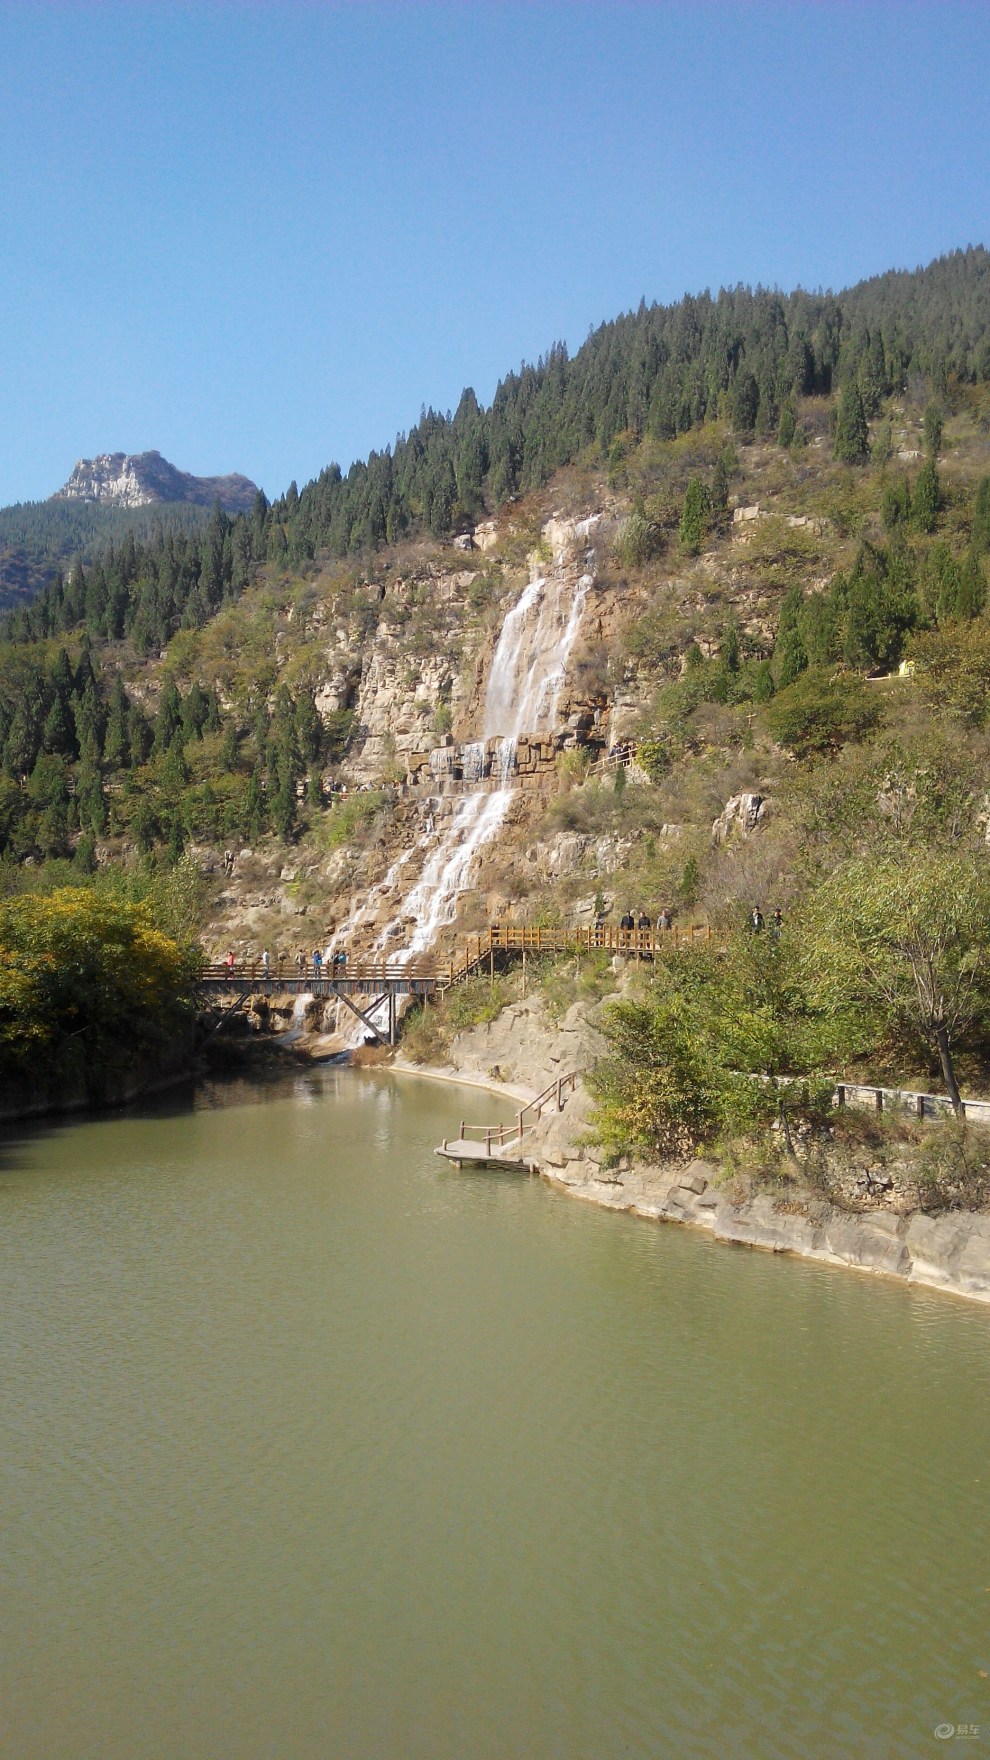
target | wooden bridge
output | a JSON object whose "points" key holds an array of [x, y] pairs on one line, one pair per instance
{"points": [[382, 981]]}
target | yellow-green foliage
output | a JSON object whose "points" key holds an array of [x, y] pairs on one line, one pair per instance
{"points": [[348, 817], [87, 982], [473, 1001]]}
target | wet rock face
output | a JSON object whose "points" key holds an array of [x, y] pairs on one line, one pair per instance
{"points": [[140, 479]]}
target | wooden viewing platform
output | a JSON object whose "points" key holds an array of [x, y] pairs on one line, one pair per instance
{"points": [[502, 1144]]}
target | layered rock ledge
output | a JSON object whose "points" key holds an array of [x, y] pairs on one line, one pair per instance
{"points": [[950, 1251]]}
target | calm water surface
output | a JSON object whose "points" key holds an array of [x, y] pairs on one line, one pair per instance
{"points": [[315, 1449]]}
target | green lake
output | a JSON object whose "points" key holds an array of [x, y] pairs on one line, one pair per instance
{"points": [[317, 1449]]}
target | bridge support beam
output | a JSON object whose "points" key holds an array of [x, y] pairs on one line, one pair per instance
{"points": [[366, 1020]]}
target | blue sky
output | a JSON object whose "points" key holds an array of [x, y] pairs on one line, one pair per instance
{"points": [[259, 237]]}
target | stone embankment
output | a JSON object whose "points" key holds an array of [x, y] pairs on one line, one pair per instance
{"points": [[523, 1049]]}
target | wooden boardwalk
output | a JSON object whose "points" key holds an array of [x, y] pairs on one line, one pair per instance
{"points": [[380, 982]]}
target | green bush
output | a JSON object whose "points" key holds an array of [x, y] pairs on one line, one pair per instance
{"points": [[819, 713], [473, 1001], [349, 817]]}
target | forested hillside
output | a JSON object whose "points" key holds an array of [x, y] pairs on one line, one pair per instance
{"points": [[38, 538], [742, 358]]}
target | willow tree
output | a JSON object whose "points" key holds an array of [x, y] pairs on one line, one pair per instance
{"points": [[906, 936]]}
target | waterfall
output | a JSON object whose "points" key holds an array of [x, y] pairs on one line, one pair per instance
{"points": [[507, 679], [441, 762], [473, 761], [432, 903], [503, 763], [525, 681], [297, 1022]]}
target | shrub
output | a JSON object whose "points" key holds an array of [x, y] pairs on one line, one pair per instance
{"points": [[472, 1002], [349, 818], [639, 540], [818, 713], [653, 1092], [87, 983]]}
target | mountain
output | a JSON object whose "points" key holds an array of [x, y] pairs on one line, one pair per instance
{"points": [[105, 501], [140, 479]]}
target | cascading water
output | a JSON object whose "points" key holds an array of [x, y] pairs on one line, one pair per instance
{"points": [[524, 686], [473, 761], [441, 762], [504, 760]]}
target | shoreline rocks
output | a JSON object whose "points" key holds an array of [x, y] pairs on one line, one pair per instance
{"points": [[949, 1252]]}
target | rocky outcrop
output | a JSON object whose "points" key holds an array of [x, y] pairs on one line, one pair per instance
{"points": [[741, 816], [141, 479], [521, 1045]]}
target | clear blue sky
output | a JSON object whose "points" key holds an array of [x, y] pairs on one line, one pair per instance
{"points": [[259, 237]]}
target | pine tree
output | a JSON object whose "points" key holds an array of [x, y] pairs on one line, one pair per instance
{"points": [[787, 425], [933, 429], [694, 515], [168, 719], [115, 742], [926, 500], [851, 445], [254, 808]]}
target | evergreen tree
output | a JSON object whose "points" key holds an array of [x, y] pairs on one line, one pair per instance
{"points": [[787, 425], [694, 516], [168, 719], [139, 736], [745, 403], [58, 733], [308, 729], [116, 742], [90, 800], [933, 430], [926, 500], [254, 809], [790, 657], [851, 445]]}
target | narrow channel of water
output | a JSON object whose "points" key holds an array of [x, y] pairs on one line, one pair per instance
{"points": [[316, 1449]]}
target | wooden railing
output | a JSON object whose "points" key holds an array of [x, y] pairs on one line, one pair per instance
{"points": [[434, 974], [505, 1135]]}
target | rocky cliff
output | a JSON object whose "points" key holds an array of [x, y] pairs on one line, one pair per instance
{"points": [[140, 479]]}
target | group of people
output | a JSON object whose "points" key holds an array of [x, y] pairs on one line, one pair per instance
{"points": [[335, 961], [631, 924], [757, 922]]}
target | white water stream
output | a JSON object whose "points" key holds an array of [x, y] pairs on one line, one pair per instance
{"points": [[527, 675]]}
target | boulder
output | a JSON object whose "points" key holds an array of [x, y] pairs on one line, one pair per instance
{"points": [[741, 816]]}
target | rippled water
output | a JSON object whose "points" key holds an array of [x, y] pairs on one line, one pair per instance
{"points": [[315, 1449]]}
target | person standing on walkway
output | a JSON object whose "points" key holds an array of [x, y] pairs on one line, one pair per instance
{"points": [[266, 964], [229, 963], [317, 962]]}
